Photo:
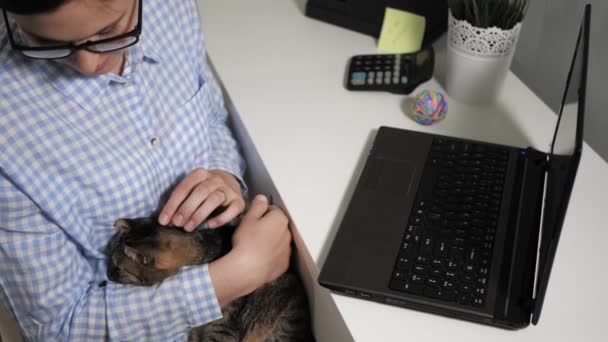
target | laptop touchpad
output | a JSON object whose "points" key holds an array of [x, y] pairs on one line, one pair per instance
{"points": [[390, 176]]}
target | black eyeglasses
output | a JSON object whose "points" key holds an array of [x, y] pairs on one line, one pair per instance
{"points": [[61, 51]]}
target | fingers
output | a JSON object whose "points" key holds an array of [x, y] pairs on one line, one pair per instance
{"points": [[259, 207], [231, 212], [198, 195], [181, 192], [276, 217], [195, 213]]}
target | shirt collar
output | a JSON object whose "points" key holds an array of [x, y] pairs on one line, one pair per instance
{"points": [[87, 91]]}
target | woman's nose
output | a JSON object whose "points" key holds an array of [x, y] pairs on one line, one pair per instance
{"points": [[85, 62]]}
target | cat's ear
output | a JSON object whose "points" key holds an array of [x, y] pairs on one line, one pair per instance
{"points": [[136, 255], [123, 225]]}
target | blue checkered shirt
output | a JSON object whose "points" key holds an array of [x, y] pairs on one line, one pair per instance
{"points": [[78, 153]]}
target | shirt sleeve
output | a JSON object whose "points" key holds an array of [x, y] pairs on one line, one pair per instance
{"points": [[223, 152], [58, 294]]}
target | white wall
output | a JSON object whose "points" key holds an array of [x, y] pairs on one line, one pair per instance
{"points": [[544, 53]]}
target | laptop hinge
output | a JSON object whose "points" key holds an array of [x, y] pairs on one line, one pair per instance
{"points": [[522, 239]]}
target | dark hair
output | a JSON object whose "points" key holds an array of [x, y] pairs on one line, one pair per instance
{"points": [[27, 7]]}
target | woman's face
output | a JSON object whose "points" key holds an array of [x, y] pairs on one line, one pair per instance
{"points": [[79, 21]]}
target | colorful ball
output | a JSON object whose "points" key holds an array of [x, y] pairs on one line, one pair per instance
{"points": [[430, 107]]}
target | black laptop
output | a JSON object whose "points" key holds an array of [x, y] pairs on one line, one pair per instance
{"points": [[457, 227]]}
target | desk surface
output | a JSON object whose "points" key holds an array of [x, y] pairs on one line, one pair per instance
{"points": [[284, 73]]}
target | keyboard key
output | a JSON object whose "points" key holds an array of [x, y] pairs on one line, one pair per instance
{"points": [[400, 275], [479, 302], [441, 249], [433, 282], [417, 279], [439, 294], [408, 248], [464, 288], [451, 275], [436, 273], [411, 229], [404, 263], [448, 285], [404, 286], [464, 299], [479, 292], [422, 260], [421, 269], [471, 256], [456, 253], [452, 266], [426, 249], [469, 269]]}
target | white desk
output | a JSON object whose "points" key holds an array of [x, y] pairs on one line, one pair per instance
{"points": [[284, 73]]}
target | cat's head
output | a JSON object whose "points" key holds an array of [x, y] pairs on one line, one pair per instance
{"points": [[143, 252]]}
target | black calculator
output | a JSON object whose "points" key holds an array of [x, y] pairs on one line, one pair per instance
{"points": [[395, 73]]}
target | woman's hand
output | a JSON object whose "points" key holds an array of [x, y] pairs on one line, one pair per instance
{"points": [[261, 249], [198, 195]]}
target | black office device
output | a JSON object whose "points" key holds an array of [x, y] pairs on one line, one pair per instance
{"points": [[366, 16], [458, 227], [395, 73]]}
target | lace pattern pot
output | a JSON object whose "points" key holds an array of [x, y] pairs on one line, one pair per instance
{"points": [[478, 60]]}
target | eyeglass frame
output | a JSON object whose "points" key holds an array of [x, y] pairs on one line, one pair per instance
{"points": [[136, 32]]}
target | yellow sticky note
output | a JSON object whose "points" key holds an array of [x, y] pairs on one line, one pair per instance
{"points": [[402, 32]]}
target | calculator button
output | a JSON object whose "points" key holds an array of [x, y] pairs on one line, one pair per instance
{"points": [[396, 80], [404, 80], [370, 81], [371, 74], [357, 81]]}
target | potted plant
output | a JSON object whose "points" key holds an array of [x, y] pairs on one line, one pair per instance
{"points": [[482, 35]]}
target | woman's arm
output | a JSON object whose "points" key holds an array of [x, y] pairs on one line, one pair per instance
{"points": [[58, 294]]}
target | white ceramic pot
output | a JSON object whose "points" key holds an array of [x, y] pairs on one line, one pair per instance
{"points": [[478, 60]]}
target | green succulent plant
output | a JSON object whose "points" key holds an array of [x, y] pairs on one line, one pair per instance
{"points": [[503, 14]]}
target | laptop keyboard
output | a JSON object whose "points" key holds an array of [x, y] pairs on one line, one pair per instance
{"points": [[447, 246]]}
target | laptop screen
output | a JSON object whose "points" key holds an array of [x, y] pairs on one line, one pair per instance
{"points": [[563, 162]]}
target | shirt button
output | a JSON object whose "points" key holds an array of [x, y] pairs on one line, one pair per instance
{"points": [[127, 84], [153, 141]]}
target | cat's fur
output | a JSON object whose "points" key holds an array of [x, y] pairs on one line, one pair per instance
{"points": [[144, 253]]}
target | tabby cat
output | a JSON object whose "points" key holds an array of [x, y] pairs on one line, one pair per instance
{"points": [[144, 253]]}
